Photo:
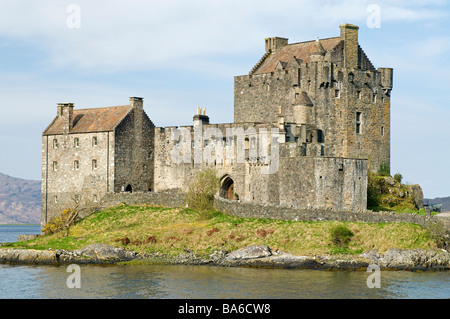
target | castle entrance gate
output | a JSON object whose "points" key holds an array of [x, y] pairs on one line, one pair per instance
{"points": [[227, 188]]}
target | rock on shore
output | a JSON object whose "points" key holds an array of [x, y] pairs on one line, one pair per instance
{"points": [[262, 256], [410, 259], [250, 256], [92, 254]]}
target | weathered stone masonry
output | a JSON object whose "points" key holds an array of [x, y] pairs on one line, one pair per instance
{"points": [[329, 107], [88, 153]]}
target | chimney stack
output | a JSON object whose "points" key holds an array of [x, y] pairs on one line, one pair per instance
{"points": [[201, 117], [349, 34], [65, 111], [137, 102], [275, 43]]}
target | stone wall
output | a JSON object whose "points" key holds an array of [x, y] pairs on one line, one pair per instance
{"points": [[75, 170], [253, 210], [134, 152], [297, 181], [169, 198], [350, 100]]}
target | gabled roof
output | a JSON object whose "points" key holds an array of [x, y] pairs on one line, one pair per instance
{"points": [[301, 51], [91, 120]]}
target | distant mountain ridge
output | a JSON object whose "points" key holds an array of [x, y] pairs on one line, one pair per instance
{"points": [[444, 201], [20, 200]]}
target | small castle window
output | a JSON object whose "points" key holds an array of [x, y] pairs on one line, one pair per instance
{"points": [[374, 98], [76, 165], [95, 198], [55, 143], [55, 166], [76, 142], [382, 131], [358, 122], [94, 164], [94, 141], [337, 94], [56, 199], [358, 94]]}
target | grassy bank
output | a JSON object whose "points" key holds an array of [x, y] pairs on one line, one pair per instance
{"points": [[148, 229]]}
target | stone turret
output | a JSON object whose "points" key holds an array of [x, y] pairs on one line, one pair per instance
{"points": [[302, 108], [386, 77]]}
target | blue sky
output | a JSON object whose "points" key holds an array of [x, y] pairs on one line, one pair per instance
{"points": [[179, 55]]}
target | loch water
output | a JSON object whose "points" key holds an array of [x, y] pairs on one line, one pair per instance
{"points": [[208, 282]]}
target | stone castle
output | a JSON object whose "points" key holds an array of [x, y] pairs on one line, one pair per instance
{"points": [[310, 120]]}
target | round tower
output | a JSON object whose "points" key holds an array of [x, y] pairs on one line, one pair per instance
{"points": [[302, 108]]}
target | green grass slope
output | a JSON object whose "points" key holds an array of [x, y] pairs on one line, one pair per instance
{"points": [[149, 229]]}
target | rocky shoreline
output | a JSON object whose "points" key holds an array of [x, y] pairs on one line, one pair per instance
{"points": [[251, 256]]}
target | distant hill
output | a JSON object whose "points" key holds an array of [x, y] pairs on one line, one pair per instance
{"points": [[20, 200], [445, 201]]}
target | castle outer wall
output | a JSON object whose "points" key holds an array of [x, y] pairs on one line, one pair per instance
{"points": [[304, 182]]}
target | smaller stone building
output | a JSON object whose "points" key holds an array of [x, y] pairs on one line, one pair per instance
{"points": [[87, 153]]}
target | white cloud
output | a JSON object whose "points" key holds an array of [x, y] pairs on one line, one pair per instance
{"points": [[119, 35]]}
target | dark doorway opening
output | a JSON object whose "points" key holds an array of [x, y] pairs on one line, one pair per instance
{"points": [[129, 188], [227, 188]]}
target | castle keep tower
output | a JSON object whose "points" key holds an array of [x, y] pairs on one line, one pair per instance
{"points": [[327, 86]]}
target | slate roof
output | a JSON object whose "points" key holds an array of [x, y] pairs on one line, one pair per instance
{"points": [[300, 50], [91, 120]]}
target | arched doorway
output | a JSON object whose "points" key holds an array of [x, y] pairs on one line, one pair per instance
{"points": [[129, 188], [227, 188]]}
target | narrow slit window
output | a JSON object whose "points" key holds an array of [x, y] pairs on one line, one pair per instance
{"points": [[55, 143], [94, 164], [76, 142], [358, 122], [94, 141], [55, 166], [76, 165]]}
